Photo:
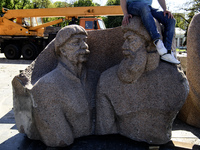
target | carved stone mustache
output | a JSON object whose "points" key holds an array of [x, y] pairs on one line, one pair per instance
{"points": [[82, 52], [129, 53]]}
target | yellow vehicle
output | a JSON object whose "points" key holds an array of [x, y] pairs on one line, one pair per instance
{"points": [[22, 30]]}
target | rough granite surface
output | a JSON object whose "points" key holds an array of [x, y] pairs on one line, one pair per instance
{"points": [[153, 93], [36, 87], [191, 110], [137, 98]]}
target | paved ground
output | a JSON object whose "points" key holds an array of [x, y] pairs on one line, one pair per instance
{"points": [[8, 69], [10, 139]]}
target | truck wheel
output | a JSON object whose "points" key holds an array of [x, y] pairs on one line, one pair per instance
{"points": [[29, 51], [12, 52]]}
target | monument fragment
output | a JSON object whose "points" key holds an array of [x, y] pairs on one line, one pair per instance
{"points": [[191, 110], [55, 97]]}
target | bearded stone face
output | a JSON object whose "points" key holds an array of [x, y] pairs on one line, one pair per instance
{"points": [[135, 58], [132, 42]]}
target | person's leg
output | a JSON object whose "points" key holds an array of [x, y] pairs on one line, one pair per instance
{"points": [[169, 27], [144, 11]]}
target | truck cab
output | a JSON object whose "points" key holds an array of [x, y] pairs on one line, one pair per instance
{"points": [[92, 23]]}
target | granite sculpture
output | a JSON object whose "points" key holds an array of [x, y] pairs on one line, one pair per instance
{"points": [[140, 98], [60, 104], [55, 97], [191, 110], [102, 56]]}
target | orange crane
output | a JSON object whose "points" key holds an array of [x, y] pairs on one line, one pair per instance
{"points": [[22, 30]]}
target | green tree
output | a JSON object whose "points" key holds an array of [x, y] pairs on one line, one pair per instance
{"points": [[59, 4], [193, 7], [181, 21], [84, 3], [113, 2], [41, 4], [21, 4], [6, 4], [16, 4], [96, 4], [24, 4], [113, 21]]}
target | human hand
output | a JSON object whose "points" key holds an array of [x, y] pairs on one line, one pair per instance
{"points": [[169, 14], [125, 20]]}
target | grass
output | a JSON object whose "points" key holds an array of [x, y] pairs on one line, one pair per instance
{"points": [[181, 50]]}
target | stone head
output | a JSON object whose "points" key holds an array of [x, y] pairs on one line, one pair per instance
{"points": [[136, 60], [70, 42], [137, 38]]}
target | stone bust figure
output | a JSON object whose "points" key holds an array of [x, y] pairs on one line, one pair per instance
{"points": [[139, 98], [61, 108]]}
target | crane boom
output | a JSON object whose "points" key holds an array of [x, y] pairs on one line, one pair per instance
{"points": [[65, 12]]}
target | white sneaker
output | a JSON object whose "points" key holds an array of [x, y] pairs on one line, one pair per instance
{"points": [[160, 47], [173, 54], [169, 58], [163, 52]]}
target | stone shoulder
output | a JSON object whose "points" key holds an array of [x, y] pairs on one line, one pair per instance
{"points": [[108, 76]]}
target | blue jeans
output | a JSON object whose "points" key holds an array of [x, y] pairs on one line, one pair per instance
{"points": [[147, 13]]}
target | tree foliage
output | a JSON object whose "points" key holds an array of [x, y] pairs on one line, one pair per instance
{"points": [[183, 21], [83, 3], [15, 4], [21, 4], [59, 4], [7, 4], [112, 2], [41, 4], [194, 6], [113, 21]]}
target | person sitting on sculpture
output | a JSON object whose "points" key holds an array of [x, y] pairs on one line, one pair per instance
{"points": [[62, 110], [143, 9]]}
